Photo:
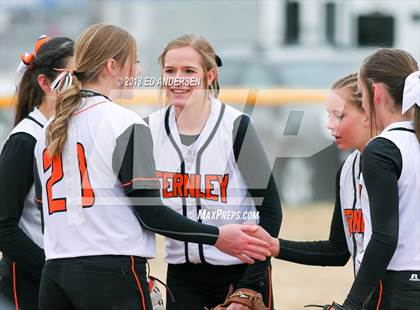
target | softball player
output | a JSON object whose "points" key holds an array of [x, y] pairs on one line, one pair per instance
{"points": [[390, 84], [350, 127], [20, 219], [213, 170], [100, 196]]}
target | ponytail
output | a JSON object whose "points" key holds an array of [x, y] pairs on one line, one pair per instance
{"points": [[28, 95], [48, 56], [93, 48], [67, 103]]}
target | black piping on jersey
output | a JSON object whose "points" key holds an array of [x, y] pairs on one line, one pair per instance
{"points": [[197, 170], [402, 129], [243, 124], [38, 194], [35, 121], [354, 207], [198, 162], [240, 136], [181, 159]]}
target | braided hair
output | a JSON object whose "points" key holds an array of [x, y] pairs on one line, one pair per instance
{"points": [[349, 83]]}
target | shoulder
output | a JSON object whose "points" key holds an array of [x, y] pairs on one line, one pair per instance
{"points": [[382, 147], [26, 132], [382, 154], [231, 113], [27, 126], [19, 146], [233, 119], [20, 138], [124, 113], [120, 118], [351, 160], [345, 171], [156, 118]]}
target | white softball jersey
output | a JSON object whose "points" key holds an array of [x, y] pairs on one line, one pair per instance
{"points": [[407, 254], [85, 209], [352, 213], [201, 178]]}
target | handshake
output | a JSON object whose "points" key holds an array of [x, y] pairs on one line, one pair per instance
{"points": [[247, 242]]}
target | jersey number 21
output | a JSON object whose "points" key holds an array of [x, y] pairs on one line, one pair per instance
{"points": [[59, 204]]}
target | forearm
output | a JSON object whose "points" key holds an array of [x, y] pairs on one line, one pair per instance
{"points": [[163, 220], [331, 252], [316, 253], [270, 213]]}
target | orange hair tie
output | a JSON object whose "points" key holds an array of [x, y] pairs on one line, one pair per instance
{"points": [[28, 58], [40, 42]]}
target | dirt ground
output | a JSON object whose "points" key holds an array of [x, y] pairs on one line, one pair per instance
{"points": [[296, 285]]}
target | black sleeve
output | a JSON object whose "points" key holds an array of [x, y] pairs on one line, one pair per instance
{"points": [[381, 169], [16, 179], [256, 171], [134, 163], [331, 252]]}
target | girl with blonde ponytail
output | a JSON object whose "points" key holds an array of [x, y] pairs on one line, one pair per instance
{"points": [[113, 48], [99, 193]]}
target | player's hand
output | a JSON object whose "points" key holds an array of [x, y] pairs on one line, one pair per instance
{"points": [[274, 243], [236, 306], [237, 240]]}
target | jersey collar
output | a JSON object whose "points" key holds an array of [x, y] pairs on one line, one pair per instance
{"points": [[215, 110], [403, 124], [38, 116]]}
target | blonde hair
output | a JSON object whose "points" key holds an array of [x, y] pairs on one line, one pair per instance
{"points": [[349, 83], [207, 55], [94, 47]]}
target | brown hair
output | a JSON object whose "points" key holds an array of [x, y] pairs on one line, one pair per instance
{"points": [[206, 52], [349, 83], [51, 55], [94, 47], [391, 67]]}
